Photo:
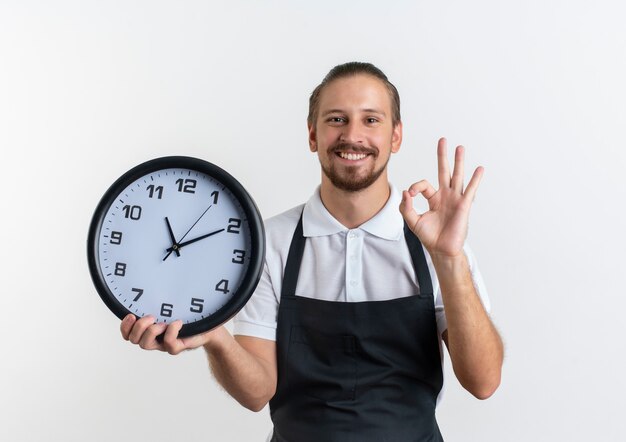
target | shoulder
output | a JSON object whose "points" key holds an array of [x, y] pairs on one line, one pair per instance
{"points": [[289, 218], [283, 224], [279, 229]]}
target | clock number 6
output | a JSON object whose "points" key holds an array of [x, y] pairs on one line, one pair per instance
{"points": [[166, 310]]}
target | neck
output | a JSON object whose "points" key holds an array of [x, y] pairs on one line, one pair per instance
{"points": [[352, 209]]}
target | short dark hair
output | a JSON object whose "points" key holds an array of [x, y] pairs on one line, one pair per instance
{"points": [[351, 69]]}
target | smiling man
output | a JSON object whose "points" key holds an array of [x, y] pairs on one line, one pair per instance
{"points": [[343, 334], [354, 156]]}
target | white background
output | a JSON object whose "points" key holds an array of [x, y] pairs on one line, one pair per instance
{"points": [[535, 90]]}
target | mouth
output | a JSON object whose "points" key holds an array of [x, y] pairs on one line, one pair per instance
{"points": [[352, 156]]}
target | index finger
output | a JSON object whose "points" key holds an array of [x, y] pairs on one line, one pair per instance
{"points": [[442, 161]]}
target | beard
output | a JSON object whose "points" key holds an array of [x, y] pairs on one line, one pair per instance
{"points": [[352, 178]]}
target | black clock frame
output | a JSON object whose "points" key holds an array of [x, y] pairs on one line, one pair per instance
{"points": [[257, 232]]}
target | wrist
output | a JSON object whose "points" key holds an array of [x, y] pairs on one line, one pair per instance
{"points": [[449, 261], [214, 339]]}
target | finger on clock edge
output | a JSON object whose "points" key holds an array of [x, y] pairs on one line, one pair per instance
{"points": [[149, 339], [172, 344], [139, 327], [126, 325]]}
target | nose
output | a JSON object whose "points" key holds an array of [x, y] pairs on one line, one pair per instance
{"points": [[351, 133]]}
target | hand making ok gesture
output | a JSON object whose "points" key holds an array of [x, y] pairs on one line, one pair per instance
{"points": [[443, 228]]}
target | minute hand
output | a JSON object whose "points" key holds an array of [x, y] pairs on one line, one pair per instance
{"points": [[186, 243]]}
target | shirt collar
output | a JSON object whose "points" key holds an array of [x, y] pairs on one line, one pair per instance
{"points": [[386, 224]]}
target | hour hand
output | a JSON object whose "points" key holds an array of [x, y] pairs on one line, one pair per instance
{"points": [[174, 245]]}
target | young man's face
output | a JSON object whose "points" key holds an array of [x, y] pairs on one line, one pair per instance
{"points": [[354, 133]]}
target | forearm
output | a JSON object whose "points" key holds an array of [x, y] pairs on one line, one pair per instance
{"points": [[473, 342], [245, 376]]}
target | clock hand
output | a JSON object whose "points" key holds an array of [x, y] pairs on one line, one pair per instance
{"points": [[191, 241], [171, 249], [207, 209], [174, 243]]}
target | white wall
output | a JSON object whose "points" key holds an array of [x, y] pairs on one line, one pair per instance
{"points": [[535, 90]]}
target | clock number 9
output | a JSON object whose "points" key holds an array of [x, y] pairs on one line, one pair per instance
{"points": [[116, 238]]}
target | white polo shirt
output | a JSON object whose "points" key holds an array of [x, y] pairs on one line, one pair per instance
{"points": [[368, 263]]}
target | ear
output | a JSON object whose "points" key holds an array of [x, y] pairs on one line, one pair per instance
{"points": [[312, 138], [396, 137]]}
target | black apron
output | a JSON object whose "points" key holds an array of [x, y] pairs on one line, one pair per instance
{"points": [[356, 371]]}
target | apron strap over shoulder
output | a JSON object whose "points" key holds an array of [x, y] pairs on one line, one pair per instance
{"points": [[419, 261], [294, 259]]}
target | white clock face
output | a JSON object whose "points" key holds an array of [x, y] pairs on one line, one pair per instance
{"points": [[174, 244]]}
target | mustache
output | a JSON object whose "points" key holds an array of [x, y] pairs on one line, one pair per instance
{"points": [[349, 147]]}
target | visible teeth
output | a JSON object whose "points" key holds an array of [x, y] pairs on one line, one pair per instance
{"points": [[352, 156]]}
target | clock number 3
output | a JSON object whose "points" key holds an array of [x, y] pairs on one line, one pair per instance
{"points": [[239, 256]]}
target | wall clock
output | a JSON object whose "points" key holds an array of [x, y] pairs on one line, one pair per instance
{"points": [[177, 238]]}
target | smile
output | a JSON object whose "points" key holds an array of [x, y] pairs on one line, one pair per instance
{"points": [[352, 156]]}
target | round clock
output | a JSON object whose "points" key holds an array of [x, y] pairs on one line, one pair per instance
{"points": [[176, 238]]}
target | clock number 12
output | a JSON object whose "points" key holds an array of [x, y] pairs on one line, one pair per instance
{"points": [[188, 185]]}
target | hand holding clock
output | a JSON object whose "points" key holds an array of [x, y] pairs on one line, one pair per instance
{"points": [[144, 332]]}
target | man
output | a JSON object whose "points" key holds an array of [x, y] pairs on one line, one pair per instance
{"points": [[343, 334]]}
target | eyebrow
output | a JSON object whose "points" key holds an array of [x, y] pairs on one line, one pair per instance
{"points": [[368, 110]]}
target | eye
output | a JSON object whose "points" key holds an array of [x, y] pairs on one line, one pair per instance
{"points": [[336, 120], [371, 120]]}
